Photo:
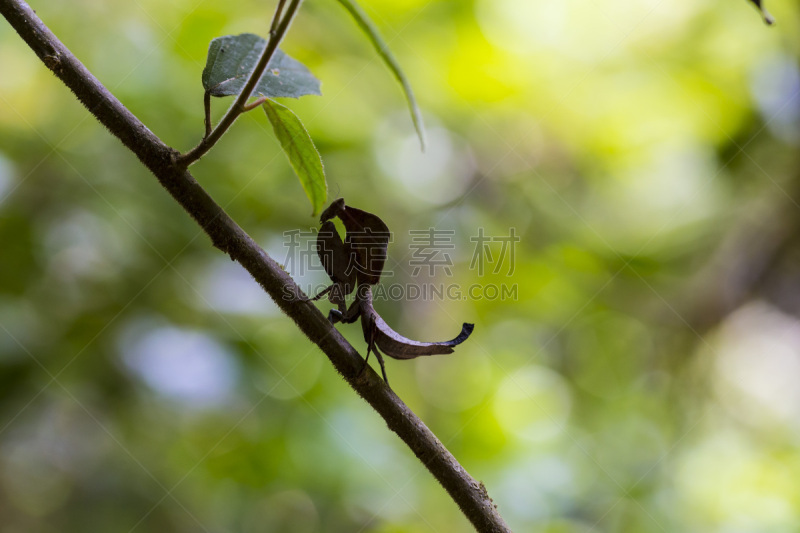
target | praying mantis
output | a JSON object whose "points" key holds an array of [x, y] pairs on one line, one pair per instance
{"points": [[357, 264]]}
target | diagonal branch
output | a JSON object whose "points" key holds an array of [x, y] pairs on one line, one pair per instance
{"points": [[225, 234]]}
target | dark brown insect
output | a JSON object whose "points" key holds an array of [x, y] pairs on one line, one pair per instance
{"points": [[356, 264]]}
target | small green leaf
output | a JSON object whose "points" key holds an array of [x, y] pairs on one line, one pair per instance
{"points": [[232, 58], [382, 48], [300, 149]]}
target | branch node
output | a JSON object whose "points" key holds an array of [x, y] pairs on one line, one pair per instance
{"points": [[52, 61]]}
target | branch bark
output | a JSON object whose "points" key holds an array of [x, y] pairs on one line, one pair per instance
{"points": [[225, 234]]}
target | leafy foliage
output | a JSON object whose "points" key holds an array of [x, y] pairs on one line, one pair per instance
{"points": [[232, 58], [299, 148], [383, 50]]}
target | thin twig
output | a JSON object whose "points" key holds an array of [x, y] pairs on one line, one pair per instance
{"points": [[239, 105], [276, 18], [225, 234], [207, 113]]}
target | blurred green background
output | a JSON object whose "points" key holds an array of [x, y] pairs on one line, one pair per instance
{"points": [[643, 379]]}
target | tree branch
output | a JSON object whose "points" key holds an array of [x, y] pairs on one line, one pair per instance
{"points": [[226, 235]]}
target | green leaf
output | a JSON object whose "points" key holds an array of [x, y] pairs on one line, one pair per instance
{"points": [[232, 58], [382, 48], [300, 149]]}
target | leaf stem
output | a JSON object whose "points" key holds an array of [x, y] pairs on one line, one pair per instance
{"points": [[240, 105], [255, 104], [369, 28], [207, 110], [277, 17]]}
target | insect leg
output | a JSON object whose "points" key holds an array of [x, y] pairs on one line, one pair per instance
{"points": [[352, 314], [323, 293], [343, 314], [380, 360], [370, 338], [366, 359], [372, 347], [334, 316]]}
